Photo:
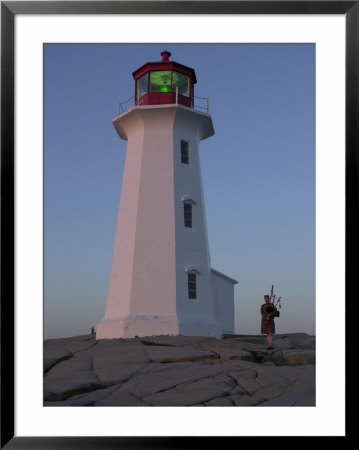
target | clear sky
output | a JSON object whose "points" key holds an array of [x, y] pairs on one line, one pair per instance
{"points": [[258, 174]]}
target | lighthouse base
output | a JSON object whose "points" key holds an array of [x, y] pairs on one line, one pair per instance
{"points": [[132, 326]]}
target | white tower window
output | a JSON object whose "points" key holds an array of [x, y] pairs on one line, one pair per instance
{"points": [[187, 210], [192, 285], [184, 152]]}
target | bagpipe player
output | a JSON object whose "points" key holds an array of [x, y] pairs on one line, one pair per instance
{"points": [[268, 312]]}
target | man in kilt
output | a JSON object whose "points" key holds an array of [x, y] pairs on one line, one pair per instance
{"points": [[268, 311]]}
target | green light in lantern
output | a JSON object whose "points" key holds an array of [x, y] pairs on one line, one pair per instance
{"points": [[164, 88]]}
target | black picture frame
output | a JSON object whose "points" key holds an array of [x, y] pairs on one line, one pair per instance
{"points": [[9, 9]]}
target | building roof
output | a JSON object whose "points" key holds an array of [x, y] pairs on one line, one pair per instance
{"points": [[222, 275]]}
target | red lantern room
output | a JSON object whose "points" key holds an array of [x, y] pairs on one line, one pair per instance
{"points": [[164, 82]]}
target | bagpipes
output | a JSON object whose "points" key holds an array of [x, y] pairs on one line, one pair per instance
{"points": [[274, 301]]}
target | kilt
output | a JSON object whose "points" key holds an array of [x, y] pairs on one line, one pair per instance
{"points": [[267, 326]]}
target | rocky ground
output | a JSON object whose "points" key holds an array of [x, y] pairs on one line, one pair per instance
{"points": [[180, 371]]}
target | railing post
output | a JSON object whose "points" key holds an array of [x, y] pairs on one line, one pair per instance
{"points": [[119, 108], [207, 105], [176, 95]]}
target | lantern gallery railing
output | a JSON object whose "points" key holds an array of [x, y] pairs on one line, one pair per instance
{"points": [[200, 103], [121, 108]]}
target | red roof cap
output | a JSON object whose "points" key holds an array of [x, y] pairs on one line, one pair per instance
{"points": [[165, 55]]}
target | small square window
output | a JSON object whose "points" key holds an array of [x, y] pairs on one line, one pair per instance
{"points": [[184, 152], [187, 210], [192, 285]]}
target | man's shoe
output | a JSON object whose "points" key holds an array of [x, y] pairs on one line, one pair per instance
{"points": [[270, 348]]}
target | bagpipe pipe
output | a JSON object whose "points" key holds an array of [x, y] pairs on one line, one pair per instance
{"points": [[274, 301]]}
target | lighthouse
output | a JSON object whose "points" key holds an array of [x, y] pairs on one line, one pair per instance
{"points": [[161, 280]]}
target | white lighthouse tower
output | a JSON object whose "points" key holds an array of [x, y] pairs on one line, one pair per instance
{"points": [[161, 280]]}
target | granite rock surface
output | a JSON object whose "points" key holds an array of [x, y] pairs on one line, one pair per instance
{"points": [[237, 370]]}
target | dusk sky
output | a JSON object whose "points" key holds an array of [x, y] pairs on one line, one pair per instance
{"points": [[258, 174]]}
